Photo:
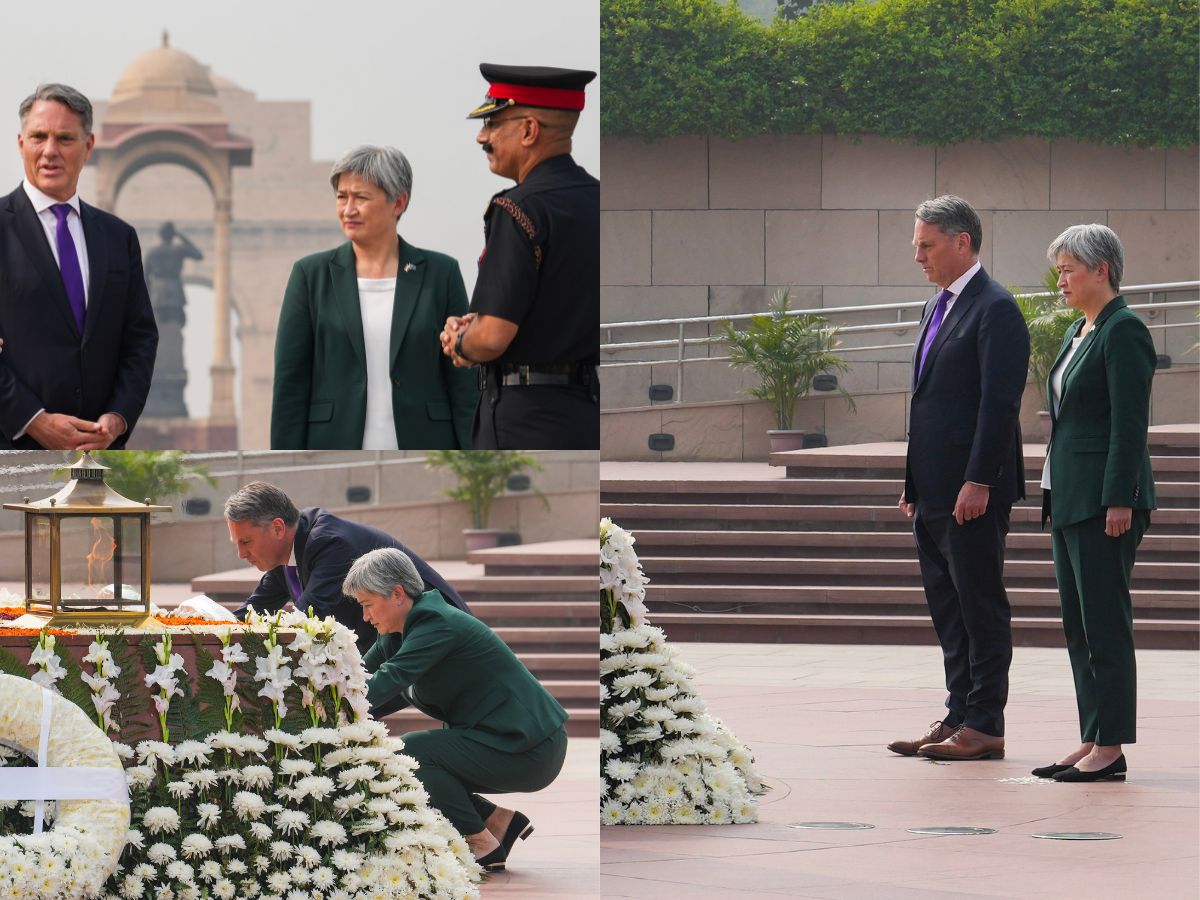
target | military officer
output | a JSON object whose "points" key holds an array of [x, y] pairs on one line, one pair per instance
{"points": [[533, 325]]}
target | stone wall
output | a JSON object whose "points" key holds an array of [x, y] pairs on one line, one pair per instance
{"points": [[699, 226]]}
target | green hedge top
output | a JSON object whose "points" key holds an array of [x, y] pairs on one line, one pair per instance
{"points": [[933, 71]]}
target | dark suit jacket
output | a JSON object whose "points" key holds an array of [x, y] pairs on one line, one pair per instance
{"points": [[320, 397], [325, 548], [963, 422], [45, 363], [453, 667], [1098, 451]]}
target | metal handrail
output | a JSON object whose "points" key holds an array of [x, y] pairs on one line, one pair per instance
{"points": [[681, 342]]}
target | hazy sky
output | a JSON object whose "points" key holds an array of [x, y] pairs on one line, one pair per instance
{"points": [[375, 71]]}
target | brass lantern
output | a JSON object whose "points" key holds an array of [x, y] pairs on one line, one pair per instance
{"points": [[87, 554]]}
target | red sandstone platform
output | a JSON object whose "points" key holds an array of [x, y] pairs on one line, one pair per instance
{"points": [[818, 717]]}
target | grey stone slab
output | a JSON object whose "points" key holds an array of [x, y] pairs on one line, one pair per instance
{"points": [[765, 172], [896, 262], [1162, 245], [1021, 239], [670, 174], [622, 387], [624, 435], [1178, 342], [711, 247], [625, 247], [1003, 175], [634, 303], [735, 300], [874, 173], [1173, 395], [1094, 176], [822, 247], [1183, 175], [715, 380], [704, 432]]}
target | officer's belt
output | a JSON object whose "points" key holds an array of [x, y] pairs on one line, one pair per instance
{"points": [[547, 373]]}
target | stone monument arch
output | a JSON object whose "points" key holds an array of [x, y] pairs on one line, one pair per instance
{"points": [[164, 110]]}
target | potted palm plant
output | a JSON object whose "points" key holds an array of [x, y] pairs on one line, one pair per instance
{"points": [[1048, 318], [786, 351], [482, 477]]}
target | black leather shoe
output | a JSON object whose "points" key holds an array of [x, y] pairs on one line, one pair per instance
{"points": [[1049, 771], [519, 827], [1114, 771], [494, 861]]}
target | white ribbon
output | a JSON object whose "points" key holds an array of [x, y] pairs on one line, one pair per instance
{"points": [[59, 782]]}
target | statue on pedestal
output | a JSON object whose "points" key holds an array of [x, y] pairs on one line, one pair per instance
{"points": [[164, 267]]}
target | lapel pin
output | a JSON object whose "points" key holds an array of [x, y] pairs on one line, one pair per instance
{"points": [[410, 267]]}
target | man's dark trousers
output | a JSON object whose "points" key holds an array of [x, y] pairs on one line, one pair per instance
{"points": [[962, 568]]}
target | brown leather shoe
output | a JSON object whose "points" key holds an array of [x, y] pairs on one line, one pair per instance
{"points": [[938, 731], [965, 743]]}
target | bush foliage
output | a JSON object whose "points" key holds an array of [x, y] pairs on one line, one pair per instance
{"points": [[933, 71]]}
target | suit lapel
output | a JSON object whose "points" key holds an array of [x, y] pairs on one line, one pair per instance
{"points": [[97, 253], [409, 276], [32, 236], [1113, 305], [953, 316], [299, 544], [916, 360], [1070, 336], [346, 302]]}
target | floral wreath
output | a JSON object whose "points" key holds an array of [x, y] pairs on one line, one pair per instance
{"points": [[76, 857]]}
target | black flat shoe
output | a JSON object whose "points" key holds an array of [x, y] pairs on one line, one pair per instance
{"points": [[519, 827], [1049, 771], [494, 861], [1114, 771]]}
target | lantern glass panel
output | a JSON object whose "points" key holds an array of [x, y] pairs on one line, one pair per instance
{"points": [[101, 558], [39, 558]]}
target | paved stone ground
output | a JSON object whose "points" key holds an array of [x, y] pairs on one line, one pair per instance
{"points": [[818, 718]]}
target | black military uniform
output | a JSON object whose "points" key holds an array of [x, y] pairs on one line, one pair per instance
{"points": [[540, 270]]}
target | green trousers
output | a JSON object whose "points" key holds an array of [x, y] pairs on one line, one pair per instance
{"points": [[455, 767], [1093, 572]]}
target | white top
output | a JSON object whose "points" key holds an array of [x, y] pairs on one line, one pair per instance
{"points": [[1056, 381], [376, 298], [41, 205]]}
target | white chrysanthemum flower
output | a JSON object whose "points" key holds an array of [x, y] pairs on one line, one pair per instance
{"points": [[161, 819], [291, 821], [620, 769], [231, 842], [195, 845], [293, 767], [160, 854], [260, 831], [248, 805], [281, 850]]}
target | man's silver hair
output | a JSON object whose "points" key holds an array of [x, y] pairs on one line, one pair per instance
{"points": [[382, 570], [953, 215], [260, 502], [1091, 245], [60, 93], [385, 167]]}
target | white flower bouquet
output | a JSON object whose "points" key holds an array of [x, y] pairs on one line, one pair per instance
{"points": [[664, 760], [255, 775]]}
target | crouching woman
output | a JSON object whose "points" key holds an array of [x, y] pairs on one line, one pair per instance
{"points": [[503, 730]]}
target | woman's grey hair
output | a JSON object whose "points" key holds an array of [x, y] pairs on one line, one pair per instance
{"points": [[382, 570], [385, 167], [953, 215], [1091, 245], [60, 93], [260, 503]]}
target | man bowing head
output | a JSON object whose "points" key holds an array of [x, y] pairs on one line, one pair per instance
{"points": [[75, 318]]}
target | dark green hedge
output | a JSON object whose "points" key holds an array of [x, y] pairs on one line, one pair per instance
{"points": [[934, 71]]}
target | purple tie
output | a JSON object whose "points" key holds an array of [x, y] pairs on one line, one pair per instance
{"points": [[68, 263], [293, 580], [939, 313]]}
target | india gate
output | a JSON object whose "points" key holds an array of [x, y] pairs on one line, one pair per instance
{"points": [[225, 198]]}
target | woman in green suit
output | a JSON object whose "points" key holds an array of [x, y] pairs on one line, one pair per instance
{"points": [[358, 363], [1098, 491], [503, 730]]}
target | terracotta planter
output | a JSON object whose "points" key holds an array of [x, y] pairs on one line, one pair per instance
{"points": [[480, 538], [791, 439]]}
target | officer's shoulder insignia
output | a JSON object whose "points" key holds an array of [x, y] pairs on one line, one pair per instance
{"points": [[524, 223]]}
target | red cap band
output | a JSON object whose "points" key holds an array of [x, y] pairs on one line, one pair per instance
{"points": [[555, 98]]}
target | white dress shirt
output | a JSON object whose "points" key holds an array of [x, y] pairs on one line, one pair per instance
{"points": [[377, 298], [1056, 383], [956, 287], [41, 205]]}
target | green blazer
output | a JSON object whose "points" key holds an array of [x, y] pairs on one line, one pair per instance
{"points": [[320, 395], [1098, 452], [451, 666]]}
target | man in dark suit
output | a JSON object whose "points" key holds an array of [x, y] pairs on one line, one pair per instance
{"points": [[965, 470], [75, 317], [305, 556]]}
